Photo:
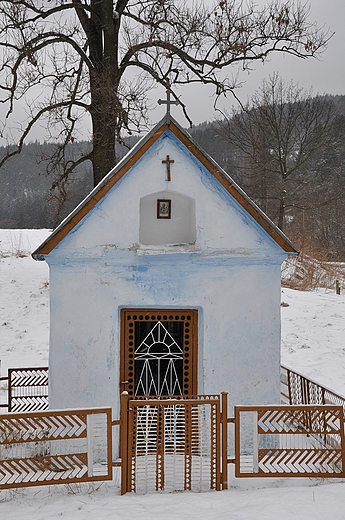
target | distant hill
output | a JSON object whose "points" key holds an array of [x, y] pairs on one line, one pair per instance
{"points": [[25, 187]]}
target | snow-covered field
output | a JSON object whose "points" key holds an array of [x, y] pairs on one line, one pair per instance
{"points": [[313, 343]]}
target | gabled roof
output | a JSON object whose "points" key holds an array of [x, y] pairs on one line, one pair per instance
{"points": [[167, 123]]}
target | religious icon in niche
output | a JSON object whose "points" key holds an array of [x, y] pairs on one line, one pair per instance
{"points": [[163, 208]]}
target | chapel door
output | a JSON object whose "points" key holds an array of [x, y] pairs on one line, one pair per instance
{"points": [[159, 352]]}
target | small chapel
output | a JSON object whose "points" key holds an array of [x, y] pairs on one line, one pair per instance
{"points": [[165, 281]]}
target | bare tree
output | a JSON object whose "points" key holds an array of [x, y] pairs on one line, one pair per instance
{"points": [[278, 135], [91, 63]]}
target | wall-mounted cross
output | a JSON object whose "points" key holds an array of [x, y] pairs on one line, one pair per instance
{"points": [[168, 161], [168, 101]]}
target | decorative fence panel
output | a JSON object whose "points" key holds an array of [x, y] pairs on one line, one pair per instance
{"points": [[289, 441], [297, 390], [27, 389], [55, 447], [172, 444]]}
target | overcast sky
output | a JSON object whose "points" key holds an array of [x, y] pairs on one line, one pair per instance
{"points": [[324, 75]]}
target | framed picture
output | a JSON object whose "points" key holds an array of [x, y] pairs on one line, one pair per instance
{"points": [[163, 208]]}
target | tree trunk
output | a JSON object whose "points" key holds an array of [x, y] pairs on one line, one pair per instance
{"points": [[106, 110], [103, 156], [281, 215]]}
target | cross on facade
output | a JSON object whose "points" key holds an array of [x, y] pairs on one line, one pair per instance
{"points": [[168, 101], [168, 161]]}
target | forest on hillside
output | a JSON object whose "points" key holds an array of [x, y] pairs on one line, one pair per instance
{"points": [[314, 214]]}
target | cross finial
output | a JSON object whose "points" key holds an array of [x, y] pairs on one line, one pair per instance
{"points": [[168, 101]]}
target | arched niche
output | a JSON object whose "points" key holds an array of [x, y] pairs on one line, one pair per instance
{"points": [[167, 218]]}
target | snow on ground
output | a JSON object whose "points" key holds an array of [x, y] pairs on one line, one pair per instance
{"points": [[289, 503], [24, 300], [313, 332], [313, 336]]}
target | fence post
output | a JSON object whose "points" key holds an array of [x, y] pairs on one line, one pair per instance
{"points": [[9, 390], [89, 433], [224, 445], [255, 443], [289, 385], [4, 378], [124, 440]]}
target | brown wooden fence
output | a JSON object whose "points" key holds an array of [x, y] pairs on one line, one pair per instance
{"points": [[55, 447], [182, 444], [27, 389], [289, 441], [170, 444]]}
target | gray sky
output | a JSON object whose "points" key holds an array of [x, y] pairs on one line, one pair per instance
{"points": [[324, 75]]}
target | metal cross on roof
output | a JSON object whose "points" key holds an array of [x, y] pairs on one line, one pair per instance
{"points": [[168, 101]]}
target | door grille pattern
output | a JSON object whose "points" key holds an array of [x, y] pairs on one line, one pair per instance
{"points": [[158, 360], [159, 352]]}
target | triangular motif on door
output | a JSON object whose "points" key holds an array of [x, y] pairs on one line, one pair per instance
{"points": [[159, 354]]}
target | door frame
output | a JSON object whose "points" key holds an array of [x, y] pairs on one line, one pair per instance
{"points": [[190, 344]]}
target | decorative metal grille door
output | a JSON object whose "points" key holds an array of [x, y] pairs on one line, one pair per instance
{"points": [[159, 352]]}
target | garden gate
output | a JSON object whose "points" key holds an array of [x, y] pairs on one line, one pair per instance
{"points": [[173, 444]]}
